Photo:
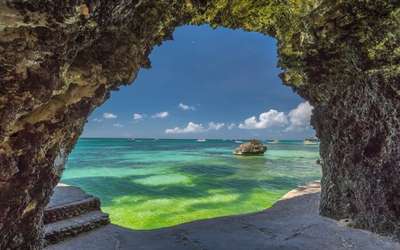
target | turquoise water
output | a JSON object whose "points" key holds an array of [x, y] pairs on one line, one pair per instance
{"points": [[147, 184]]}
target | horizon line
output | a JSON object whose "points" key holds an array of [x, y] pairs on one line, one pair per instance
{"points": [[159, 138]]}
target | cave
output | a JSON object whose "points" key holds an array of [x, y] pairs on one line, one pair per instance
{"points": [[61, 59]]}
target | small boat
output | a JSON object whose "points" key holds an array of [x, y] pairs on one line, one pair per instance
{"points": [[237, 141], [273, 141], [201, 140], [311, 141]]}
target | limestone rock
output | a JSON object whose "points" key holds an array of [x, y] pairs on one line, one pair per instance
{"points": [[254, 147], [59, 60]]}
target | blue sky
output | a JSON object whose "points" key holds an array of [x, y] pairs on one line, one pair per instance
{"points": [[206, 83]]}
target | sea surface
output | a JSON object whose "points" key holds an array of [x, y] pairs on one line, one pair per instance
{"points": [[149, 183]]}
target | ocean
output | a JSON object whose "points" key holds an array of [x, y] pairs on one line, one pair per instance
{"points": [[149, 183]]}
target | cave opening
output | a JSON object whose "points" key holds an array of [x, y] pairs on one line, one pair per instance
{"points": [[141, 152], [60, 60]]}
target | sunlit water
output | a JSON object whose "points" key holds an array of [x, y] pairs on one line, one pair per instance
{"points": [[147, 184]]}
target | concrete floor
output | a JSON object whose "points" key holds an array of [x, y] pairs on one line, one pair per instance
{"points": [[292, 223]]}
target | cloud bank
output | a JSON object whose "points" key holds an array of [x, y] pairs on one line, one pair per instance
{"points": [[272, 118], [296, 120], [299, 117]]}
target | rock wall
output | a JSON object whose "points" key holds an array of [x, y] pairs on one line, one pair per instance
{"points": [[353, 73], [60, 59]]}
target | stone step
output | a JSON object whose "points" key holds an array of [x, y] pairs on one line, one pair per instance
{"points": [[60, 230], [70, 210], [67, 202]]}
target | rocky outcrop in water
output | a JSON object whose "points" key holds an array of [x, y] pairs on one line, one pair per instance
{"points": [[60, 59], [253, 147]]}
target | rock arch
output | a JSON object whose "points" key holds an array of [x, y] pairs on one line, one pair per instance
{"points": [[60, 59]]}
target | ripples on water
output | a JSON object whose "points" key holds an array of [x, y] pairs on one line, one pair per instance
{"points": [[147, 184]]}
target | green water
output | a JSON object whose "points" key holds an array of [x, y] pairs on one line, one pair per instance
{"points": [[147, 184]]}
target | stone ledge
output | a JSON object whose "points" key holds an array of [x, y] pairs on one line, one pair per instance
{"points": [[70, 210], [58, 231]]}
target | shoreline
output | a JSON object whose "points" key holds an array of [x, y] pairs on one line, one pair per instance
{"points": [[292, 222]]}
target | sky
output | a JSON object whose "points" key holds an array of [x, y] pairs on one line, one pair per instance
{"points": [[206, 83]]}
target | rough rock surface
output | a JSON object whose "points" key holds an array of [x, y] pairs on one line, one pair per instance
{"points": [[253, 147], [60, 59]]}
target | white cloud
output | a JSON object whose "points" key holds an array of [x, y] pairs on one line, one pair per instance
{"points": [[137, 116], [231, 126], [97, 120], [186, 107], [215, 126], [191, 127], [118, 125], [109, 116], [299, 117], [268, 119], [296, 120], [160, 115]]}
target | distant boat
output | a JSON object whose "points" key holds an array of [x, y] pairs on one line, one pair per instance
{"points": [[201, 140], [311, 141], [273, 141], [237, 141]]}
